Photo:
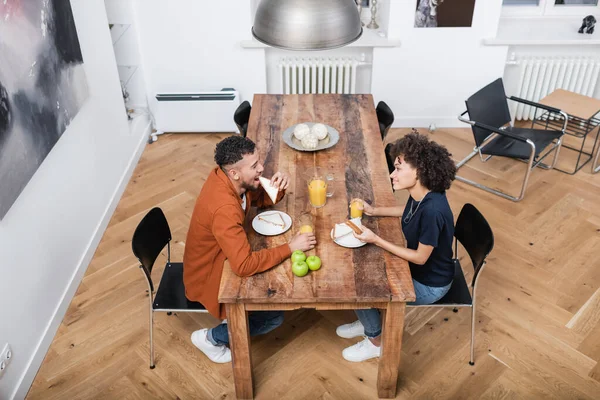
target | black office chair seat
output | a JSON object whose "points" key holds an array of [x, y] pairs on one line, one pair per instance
{"points": [[171, 291], [459, 291], [508, 147]]}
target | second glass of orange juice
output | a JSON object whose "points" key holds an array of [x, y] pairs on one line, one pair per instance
{"points": [[356, 208], [317, 188], [306, 223]]}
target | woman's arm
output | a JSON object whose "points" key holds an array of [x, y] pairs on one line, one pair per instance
{"points": [[381, 211], [418, 256]]}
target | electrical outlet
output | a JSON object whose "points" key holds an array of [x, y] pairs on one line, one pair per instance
{"points": [[5, 358]]}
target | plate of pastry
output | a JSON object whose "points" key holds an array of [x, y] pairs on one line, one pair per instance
{"points": [[342, 234], [310, 136], [271, 223]]}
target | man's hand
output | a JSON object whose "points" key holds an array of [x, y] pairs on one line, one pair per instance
{"points": [[280, 180], [303, 241], [366, 236]]}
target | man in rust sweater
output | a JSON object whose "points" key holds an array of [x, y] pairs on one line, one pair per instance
{"points": [[216, 233]]}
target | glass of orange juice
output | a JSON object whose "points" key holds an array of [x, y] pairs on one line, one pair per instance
{"points": [[306, 223], [356, 208], [317, 188]]}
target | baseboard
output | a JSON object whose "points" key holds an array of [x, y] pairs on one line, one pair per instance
{"points": [[42, 348], [425, 122]]}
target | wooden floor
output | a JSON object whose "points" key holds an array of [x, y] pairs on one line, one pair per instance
{"points": [[537, 329]]}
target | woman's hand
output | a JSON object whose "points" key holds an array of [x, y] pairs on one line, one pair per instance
{"points": [[366, 236], [366, 207]]}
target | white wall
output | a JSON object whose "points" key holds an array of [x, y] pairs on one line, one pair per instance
{"points": [[51, 232], [194, 46], [429, 77]]}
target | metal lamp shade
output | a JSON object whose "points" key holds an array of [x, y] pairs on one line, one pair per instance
{"points": [[307, 24]]}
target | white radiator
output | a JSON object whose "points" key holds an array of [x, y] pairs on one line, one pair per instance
{"points": [[196, 111], [540, 76], [318, 75]]}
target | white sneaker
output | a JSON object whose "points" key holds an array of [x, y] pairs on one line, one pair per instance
{"points": [[349, 331], [218, 354], [361, 351]]}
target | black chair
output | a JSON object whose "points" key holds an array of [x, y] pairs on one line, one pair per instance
{"points": [[385, 117], [489, 115], [242, 116], [475, 234], [150, 238]]}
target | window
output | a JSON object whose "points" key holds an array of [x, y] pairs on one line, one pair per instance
{"points": [[549, 7]]}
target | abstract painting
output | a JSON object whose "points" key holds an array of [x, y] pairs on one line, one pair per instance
{"points": [[444, 13], [42, 87]]}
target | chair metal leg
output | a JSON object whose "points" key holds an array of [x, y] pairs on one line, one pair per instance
{"points": [[595, 166], [151, 330], [472, 362], [495, 191]]}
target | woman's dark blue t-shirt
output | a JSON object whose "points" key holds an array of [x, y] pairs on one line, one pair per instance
{"points": [[432, 224]]}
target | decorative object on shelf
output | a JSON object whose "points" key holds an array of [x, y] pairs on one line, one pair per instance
{"points": [[359, 6], [373, 24], [307, 24], [588, 25], [45, 87], [444, 14]]}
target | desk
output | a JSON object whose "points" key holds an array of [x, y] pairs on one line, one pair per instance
{"points": [[582, 112], [349, 278]]}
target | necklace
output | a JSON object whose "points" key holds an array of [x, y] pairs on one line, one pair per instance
{"points": [[411, 213]]}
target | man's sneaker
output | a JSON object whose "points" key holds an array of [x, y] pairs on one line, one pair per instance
{"points": [[349, 331], [361, 351], [215, 353]]}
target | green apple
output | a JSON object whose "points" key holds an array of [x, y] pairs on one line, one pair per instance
{"points": [[298, 255], [314, 263], [300, 268]]}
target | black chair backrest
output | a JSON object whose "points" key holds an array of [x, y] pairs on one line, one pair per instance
{"points": [[242, 116], [475, 234], [389, 158], [150, 237], [385, 117], [488, 106]]}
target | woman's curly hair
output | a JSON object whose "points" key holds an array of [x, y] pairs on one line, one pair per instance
{"points": [[435, 168], [232, 149]]}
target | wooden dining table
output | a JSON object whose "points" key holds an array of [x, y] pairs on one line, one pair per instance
{"points": [[349, 278]]}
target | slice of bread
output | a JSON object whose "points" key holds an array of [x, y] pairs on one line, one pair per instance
{"points": [[271, 191], [273, 218], [345, 229]]}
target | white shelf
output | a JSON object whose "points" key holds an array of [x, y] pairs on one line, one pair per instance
{"points": [[117, 31], [541, 31], [126, 72], [369, 38]]}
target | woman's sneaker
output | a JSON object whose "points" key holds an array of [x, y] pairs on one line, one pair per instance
{"points": [[361, 351], [349, 331], [215, 353]]}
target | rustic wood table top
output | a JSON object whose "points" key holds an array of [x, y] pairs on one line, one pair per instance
{"points": [[357, 161]]}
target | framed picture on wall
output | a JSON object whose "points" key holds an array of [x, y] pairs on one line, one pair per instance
{"points": [[42, 87], [444, 13]]}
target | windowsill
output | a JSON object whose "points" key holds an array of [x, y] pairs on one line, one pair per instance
{"points": [[369, 38], [541, 31]]}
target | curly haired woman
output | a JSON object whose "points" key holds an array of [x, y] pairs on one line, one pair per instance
{"points": [[426, 170]]}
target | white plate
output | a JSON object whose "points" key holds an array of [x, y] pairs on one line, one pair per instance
{"points": [[267, 229], [349, 240], [329, 141]]}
